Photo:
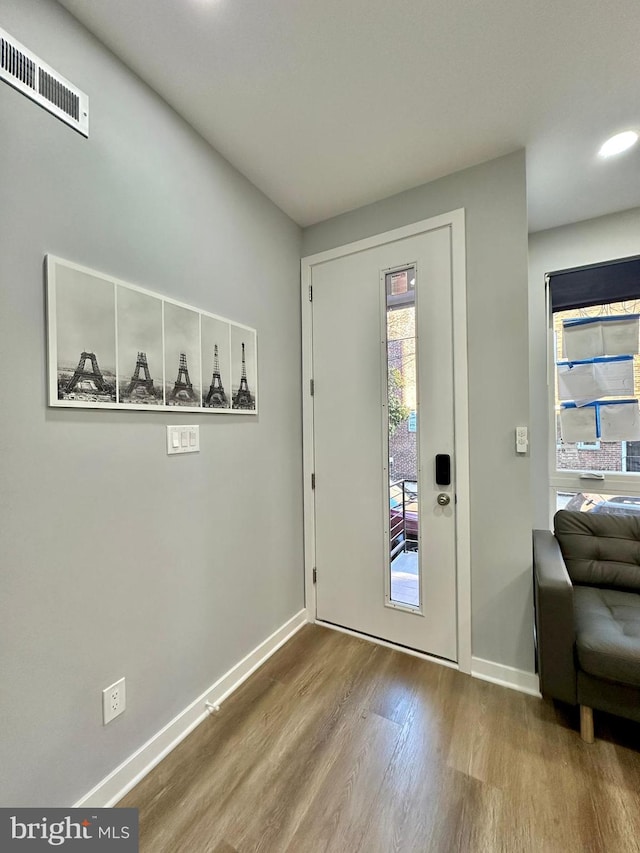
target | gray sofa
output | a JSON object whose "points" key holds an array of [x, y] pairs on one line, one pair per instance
{"points": [[587, 600]]}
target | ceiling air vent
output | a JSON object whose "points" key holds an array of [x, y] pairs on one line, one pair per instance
{"points": [[33, 77]]}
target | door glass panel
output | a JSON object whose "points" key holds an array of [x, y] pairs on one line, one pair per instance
{"points": [[404, 576]]}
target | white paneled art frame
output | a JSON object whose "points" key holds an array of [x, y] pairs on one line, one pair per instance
{"points": [[114, 345]]}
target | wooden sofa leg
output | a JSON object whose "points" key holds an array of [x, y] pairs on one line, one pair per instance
{"points": [[586, 724]]}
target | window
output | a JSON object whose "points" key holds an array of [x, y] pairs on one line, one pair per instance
{"points": [[594, 382]]}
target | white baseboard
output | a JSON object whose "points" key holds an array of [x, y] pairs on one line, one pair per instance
{"points": [[506, 676], [121, 780]]}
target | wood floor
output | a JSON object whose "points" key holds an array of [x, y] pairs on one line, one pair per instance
{"points": [[339, 745]]}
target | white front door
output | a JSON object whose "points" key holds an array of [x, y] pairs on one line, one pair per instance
{"points": [[385, 529]]}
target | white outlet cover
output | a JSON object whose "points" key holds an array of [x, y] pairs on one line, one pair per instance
{"points": [[114, 701]]}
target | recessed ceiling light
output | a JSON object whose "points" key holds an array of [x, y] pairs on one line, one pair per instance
{"points": [[618, 143]]}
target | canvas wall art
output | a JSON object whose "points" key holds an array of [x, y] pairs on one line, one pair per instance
{"points": [[112, 344]]}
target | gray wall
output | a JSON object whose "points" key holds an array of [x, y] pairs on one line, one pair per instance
{"points": [[117, 560], [588, 242], [494, 197]]}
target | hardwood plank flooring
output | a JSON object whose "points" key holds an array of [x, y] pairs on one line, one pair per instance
{"points": [[340, 745]]}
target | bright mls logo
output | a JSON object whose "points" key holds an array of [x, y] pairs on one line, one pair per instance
{"points": [[72, 829]]}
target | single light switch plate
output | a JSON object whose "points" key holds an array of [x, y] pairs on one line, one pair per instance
{"points": [[183, 439]]}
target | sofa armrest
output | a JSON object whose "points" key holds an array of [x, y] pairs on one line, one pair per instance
{"points": [[555, 627]]}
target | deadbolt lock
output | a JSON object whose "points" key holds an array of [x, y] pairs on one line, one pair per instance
{"points": [[443, 499]]}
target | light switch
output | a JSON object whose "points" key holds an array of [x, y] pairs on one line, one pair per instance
{"points": [[522, 439], [183, 439]]}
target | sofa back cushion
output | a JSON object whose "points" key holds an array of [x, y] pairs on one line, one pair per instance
{"points": [[600, 549]]}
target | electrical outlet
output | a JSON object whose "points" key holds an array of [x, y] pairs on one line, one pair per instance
{"points": [[113, 701]]}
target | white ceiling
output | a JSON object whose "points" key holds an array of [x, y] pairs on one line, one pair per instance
{"points": [[326, 105]]}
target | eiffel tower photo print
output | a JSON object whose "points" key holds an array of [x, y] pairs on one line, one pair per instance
{"points": [[139, 319], [85, 338], [216, 397], [181, 356], [115, 345], [183, 387], [215, 336], [243, 368]]}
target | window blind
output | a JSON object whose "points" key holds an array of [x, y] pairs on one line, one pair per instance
{"points": [[581, 287]]}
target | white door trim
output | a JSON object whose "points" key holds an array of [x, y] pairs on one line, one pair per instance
{"points": [[456, 221]]}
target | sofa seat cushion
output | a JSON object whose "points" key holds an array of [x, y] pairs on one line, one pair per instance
{"points": [[608, 633]]}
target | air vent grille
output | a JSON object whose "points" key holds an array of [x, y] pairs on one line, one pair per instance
{"points": [[30, 75], [17, 64], [54, 91]]}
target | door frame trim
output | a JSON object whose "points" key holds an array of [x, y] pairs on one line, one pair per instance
{"points": [[455, 220]]}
